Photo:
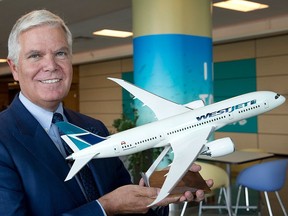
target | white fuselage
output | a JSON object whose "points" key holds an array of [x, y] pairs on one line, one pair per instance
{"points": [[162, 132]]}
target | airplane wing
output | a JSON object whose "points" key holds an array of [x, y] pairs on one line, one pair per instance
{"points": [[186, 151], [161, 107]]}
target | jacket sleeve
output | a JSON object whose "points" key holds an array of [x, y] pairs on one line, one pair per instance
{"points": [[12, 198]]}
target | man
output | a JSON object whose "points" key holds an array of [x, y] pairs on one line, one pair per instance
{"points": [[32, 160]]}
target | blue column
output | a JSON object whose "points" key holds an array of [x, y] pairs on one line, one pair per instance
{"points": [[172, 51]]}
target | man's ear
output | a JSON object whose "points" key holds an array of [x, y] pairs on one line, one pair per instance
{"points": [[13, 68]]}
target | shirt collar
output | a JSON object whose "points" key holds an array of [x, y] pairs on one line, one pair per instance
{"points": [[44, 117]]}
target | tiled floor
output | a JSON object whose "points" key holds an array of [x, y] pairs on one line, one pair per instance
{"points": [[192, 209], [210, 212]]}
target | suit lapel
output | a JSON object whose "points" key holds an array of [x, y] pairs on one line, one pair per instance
{"points": [[35, 139]]}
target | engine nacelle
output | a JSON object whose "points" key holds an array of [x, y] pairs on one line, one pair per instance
{"points": [[219, 147]]}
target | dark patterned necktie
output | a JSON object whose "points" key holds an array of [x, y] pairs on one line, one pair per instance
{"points": [[85, 174]]}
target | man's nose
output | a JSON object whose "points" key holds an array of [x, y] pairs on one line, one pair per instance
{"points": [[50, 63]]}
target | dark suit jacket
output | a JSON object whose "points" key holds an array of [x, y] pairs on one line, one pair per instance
{"points": [[32, 170]]}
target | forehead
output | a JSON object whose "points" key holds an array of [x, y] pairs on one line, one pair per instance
{"points": [[44, 34]]}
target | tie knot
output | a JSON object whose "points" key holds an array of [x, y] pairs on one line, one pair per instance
{"points": [[57, 117]]}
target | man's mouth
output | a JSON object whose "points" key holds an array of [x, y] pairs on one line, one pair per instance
{"points": [[49, 81]]}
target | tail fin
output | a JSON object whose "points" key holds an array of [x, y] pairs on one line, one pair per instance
{"points": [[77, 138]]}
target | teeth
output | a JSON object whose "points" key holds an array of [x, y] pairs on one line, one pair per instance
{"points": [[50, 81]]}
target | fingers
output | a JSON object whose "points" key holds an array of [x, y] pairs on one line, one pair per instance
{"points": [[209, 182], [195, 168], [200, 195], [188, 196], [141, 182]]}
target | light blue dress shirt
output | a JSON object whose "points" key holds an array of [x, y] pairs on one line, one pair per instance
{"points": [[44, 117]]}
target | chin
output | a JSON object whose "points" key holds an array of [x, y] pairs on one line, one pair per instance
{"points": [[53, 98]]}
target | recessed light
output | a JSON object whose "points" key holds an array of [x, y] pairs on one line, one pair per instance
{"points": [[3, 60], [240, 5], [113, 33]]}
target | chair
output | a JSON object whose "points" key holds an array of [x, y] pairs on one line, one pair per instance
{"points": [[265, 177], [221, 181]]}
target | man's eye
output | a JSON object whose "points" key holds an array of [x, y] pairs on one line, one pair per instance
{"points": [[61, 54], [36, 55]]}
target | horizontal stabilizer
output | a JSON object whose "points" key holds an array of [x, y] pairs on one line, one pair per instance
{"points": [[78, 165]]}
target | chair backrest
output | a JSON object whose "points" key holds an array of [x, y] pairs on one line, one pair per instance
{"points": [[267, 176], [219, 175]]}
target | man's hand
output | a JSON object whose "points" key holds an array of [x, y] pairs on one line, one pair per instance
{"points": [[128, 199]]}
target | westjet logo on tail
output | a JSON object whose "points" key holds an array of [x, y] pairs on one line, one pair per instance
{"points": [[226, 110]]}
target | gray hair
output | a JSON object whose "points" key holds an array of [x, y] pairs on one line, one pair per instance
{"points": [[31, 20]]}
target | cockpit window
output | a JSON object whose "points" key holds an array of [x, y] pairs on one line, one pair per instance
{"points": [[277, 96]]}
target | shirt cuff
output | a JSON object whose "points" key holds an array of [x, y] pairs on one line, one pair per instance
{"points": [[104, 213]]}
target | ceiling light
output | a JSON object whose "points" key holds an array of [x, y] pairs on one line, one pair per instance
{"points": [[240, 5], [3, 60], [113, 33]]}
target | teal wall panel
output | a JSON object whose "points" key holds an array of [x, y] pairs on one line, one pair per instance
{"points": [[234, 78], [235, 69], [228, 88]]}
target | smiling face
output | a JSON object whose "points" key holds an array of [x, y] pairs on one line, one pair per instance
{"points": [[44, 69]]}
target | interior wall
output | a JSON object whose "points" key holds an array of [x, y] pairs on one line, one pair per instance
{"points": [[71, 101], [102, 99], [271, 56]]}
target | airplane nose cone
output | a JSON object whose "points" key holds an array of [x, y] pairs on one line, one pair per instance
{"points": [[282, 99]]}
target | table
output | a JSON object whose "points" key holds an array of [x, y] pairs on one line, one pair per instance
{"points": [[237, 157]]}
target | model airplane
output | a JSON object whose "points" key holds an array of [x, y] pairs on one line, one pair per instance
{"points": [[184, 128]]}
